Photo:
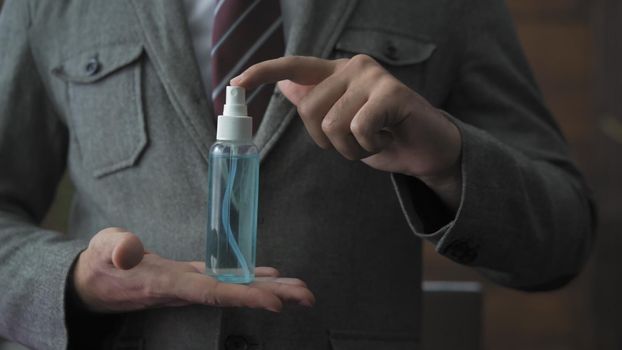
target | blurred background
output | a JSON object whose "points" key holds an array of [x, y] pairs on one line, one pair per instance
{"points": [[575, 48]]}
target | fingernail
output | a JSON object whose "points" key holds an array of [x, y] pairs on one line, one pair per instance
{"points": [[236, 80], [306, 303]]}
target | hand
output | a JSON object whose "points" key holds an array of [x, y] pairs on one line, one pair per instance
{"points": [[115, 274], [357, 107]]}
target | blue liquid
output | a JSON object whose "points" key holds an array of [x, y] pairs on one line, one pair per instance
{"points": [[232, 212]]}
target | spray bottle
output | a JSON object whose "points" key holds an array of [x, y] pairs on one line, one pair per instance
{"points": [[233, 189]]}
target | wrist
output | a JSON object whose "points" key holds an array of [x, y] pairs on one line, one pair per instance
{"points": [[73, 298], [86, 327], [447, 186], [445, 175]]}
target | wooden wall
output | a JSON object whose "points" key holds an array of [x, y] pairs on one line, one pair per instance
{"points": [[575, 49]]}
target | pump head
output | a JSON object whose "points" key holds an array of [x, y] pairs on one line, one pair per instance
{"points": [[234, 124]]}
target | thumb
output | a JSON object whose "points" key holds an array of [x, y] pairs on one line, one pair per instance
{"points": [[120, 247], [128, 252]]}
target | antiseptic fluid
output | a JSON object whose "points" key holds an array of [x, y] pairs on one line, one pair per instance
{"points": [[233, 185]]}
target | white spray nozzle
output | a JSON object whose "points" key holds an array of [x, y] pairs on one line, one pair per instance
{"points": [[235, 102], [234, 124], [236, 95]]}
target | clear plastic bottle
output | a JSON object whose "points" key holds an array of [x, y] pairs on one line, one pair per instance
{"points": [[233, 191]]}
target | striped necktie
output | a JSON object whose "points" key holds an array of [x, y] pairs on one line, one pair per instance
{"points": [[245, 32]]}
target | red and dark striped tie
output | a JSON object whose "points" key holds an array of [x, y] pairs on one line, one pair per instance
{"points": [[245, 32]]}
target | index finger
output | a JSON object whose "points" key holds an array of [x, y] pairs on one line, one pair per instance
{"points": [[299, 69]]}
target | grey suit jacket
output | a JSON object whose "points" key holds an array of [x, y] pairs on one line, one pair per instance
{"points": [[134, 135]]}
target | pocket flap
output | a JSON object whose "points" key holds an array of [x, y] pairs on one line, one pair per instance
{"points": [[359, 340], [390, 48], [90, 66]]}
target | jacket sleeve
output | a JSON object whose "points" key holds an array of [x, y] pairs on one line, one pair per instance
{"points": [[525, 218], [34, 263]]}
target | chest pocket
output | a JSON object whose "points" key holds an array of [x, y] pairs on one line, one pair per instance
{"points": [[105, 106], [400, 54]]}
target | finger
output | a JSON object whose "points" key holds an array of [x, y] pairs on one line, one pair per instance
{"points": [[336, 124], [369, 126], [117, 246], [200, 289], [199, 266], [264, 271], [284, 280], [317, 103], [299, 69], [288, 292], [262, 274]]}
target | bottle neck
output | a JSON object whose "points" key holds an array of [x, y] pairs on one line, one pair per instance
{"points": [[236, 142]]}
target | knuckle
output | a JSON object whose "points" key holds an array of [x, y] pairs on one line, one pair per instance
{"points": [[374, 73], [359, 128], [361, 60], [209, 297], [340, 62], [305, 109], [393, 88], [365, 136], [329, 126]]}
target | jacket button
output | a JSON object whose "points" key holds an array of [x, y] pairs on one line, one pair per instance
{"points": [[92, 66], [461, 251], [236, 342], [390, 51]]}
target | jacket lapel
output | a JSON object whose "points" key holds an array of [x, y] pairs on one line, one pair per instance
{"points": [[169, 46], [311, 29]]}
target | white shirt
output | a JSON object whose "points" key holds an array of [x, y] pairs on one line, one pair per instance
{"points": [[200, 15]]}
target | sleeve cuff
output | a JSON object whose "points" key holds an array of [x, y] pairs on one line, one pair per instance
{"points": [[458, 235], [36, 304]]}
